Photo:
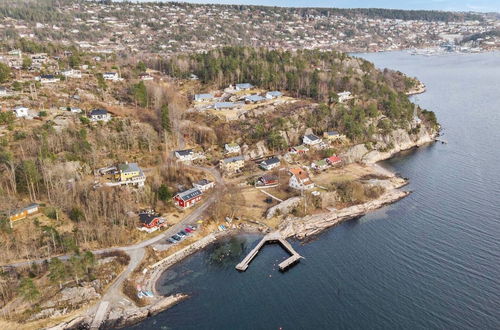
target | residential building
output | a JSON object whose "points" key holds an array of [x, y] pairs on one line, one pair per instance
{"points": [[299, 149], [113, 76], [72, 73], [300, 179], [232, 148], [146, 76], [232, 164], [273, 95], [150, 220], [254, 99], [188, 198], [320, 165], [21, 112], [311, 139], [267, 181], [203, 97], [204, 185], [48, 79], [25, 212], [225, 105], [99, 115], [130, 173], [333, 160], [270, 163], [4, 91], [333, 135], [344, 96], [185, 155], [243, 86]]}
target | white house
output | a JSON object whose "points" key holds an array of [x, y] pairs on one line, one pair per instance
{"points": [[99, 115], [232, 148], [344, 96], [113, 76], [185, 155], [72, 73], [254, 99], [75, 110], [4, 91], [311, 139], [270, 163], [203, 97], [146, 76], [21, 112], [300, 179], [204, 185], [273, 95]]}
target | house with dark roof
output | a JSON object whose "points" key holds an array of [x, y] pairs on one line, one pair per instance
{"points": [[48, 79], [270, 163], [99, 115], [204, 185], [311, 139], [150, 220], [188, 198], [267, 180]]}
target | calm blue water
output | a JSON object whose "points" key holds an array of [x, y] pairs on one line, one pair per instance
{"points": [[430, 261]]}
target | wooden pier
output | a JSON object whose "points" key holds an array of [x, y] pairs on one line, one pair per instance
{"points": [[274, 237]]}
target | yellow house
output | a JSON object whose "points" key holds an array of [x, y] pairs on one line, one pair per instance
{"points": [[128, 171], [232, 164], [24, 212]]}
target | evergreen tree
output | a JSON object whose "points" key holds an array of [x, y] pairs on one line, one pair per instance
{"points": [[165, 119]]}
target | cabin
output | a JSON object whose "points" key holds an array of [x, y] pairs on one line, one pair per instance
{"points": [[270, 163], [273, 95], [99, 115], [232, 164], [204, 185], [232, 148], [243, 86], [333, 160], [300, 180], [311, 139], [74, 110], [185, 155], [254, 99], [267, 180], [188, 198], [149, 220], [24, 212], [203, 97], [4, 92], [21, 112]]}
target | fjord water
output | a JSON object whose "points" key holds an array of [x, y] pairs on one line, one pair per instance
{"points": [[430, 261]]}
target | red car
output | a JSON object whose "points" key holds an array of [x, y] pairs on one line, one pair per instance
{"points": [[189, 230]]}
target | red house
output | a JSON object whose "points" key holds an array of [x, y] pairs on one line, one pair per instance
{"points": [[150, 220], [267, 180], [333, 160], [188, 198]]}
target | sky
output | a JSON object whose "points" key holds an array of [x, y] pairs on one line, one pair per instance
{"points": [[448, 5]]}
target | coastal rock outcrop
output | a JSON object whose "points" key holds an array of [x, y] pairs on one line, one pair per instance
{"points": [[283, 208]]}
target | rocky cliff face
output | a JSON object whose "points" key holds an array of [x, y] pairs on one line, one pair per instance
{"points": [[388, 145]]}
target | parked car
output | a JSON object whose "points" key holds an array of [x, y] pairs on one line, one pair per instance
{"points": [[176, 237], [171, 240], [181, 234], [188, 230], [193, 228], [185, 233]]}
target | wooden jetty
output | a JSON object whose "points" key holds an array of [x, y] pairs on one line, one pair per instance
{"points": [[274, 237]]}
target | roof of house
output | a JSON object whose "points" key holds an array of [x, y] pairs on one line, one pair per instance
{"points": [[111, 73], [233, 159], [274, 93], [244, 86], [202, 182], [312, 137], [270, 161], [301, 175], [189, 194], [203, 96], [26, 208], [232, 145], [98, 112], [301, 147], [332, 133], [218, 105], [268, 178], [147, 218], [184, 152], [20, 107], [129, 167], [254, 98], [47, 76], [321, 162], [334, 159]]}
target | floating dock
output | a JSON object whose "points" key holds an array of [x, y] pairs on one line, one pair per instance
{"points": [[274, 237]]}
